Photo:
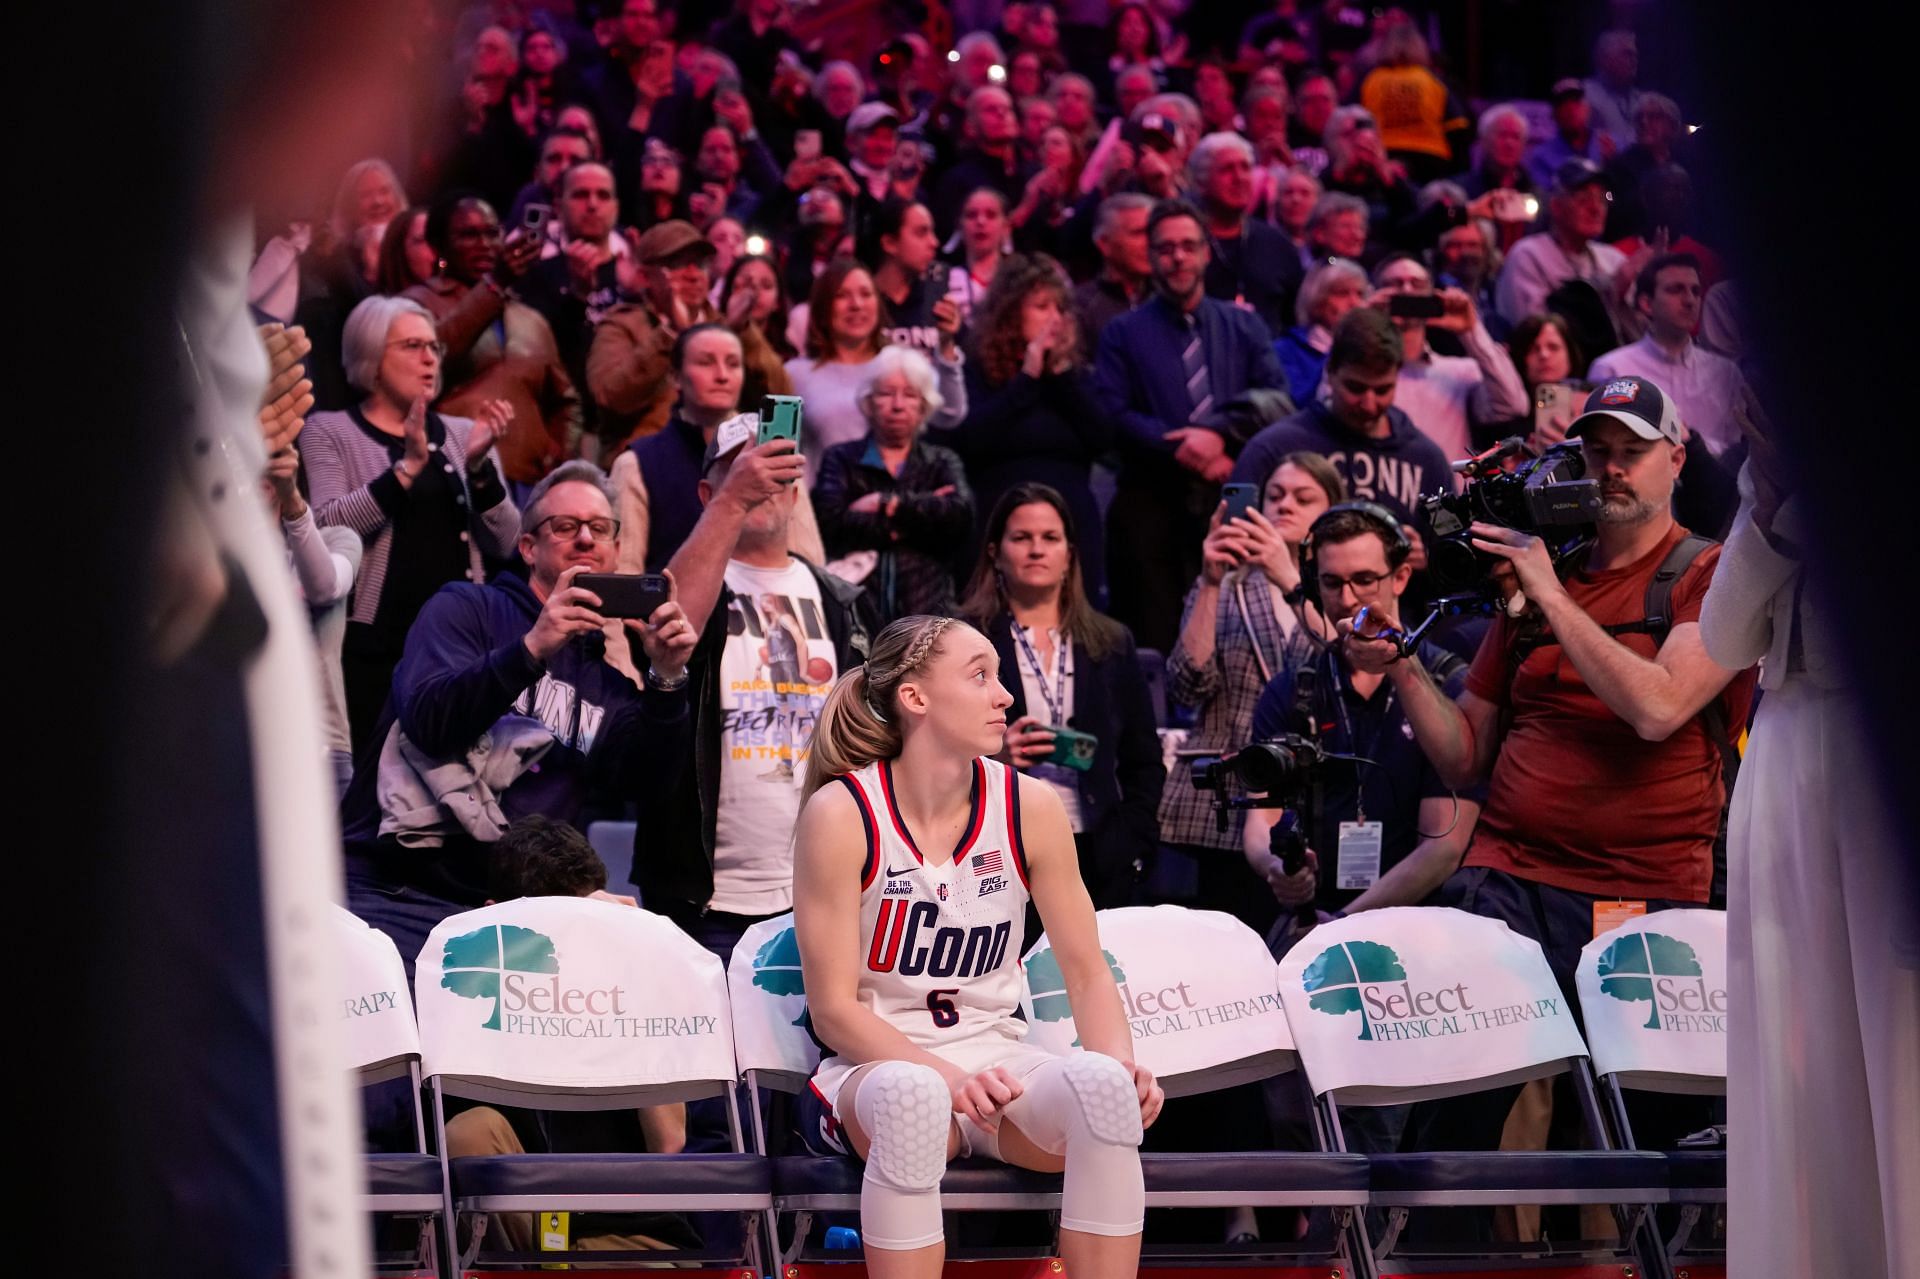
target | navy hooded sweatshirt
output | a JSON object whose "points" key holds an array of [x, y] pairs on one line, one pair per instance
{"points": [[465, 667], [1396, 471]]}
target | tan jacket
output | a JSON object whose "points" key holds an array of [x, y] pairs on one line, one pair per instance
{"points": [[499, 349], [630, 373]]}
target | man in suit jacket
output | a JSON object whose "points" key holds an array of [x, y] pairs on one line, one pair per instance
{"points": [[1164, 373]]}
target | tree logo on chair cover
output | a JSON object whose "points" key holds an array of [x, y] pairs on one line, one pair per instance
{"points": [[1665, 973], [776, 968], [472, 965], [1336, 978], [1049, 987]]}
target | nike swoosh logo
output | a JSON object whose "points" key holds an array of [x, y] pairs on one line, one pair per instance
{"points": [[895, 874]]}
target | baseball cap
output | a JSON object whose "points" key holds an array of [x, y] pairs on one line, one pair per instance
{"points": [[1153, 128], [869, 116], [1579, 172], [729, 436], [671, 239], [1567, 87], [1636, 403]]}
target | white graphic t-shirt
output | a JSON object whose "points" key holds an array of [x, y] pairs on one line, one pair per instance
{"points": [[774, 675]]}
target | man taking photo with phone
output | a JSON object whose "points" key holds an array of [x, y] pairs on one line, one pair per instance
{"points": [[514, 698], [714, 853], [1445, 395]]}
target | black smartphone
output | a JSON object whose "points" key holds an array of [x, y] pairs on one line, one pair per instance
{"points": [[535, 218], [1240, 499], [627, 595], [1416, 306]]}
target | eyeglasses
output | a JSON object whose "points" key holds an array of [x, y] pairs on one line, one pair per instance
{"points": [[420, 346], [1361, 581], [564, 527]]}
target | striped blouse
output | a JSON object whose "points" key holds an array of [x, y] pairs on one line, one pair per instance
{"points": [[352, 484]]}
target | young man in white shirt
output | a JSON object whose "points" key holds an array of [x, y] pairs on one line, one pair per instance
{"points": [[1447, 395], [1703, 386]]}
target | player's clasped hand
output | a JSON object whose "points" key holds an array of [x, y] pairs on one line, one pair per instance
{"points": [[1147, 1088], [982, 1097]]}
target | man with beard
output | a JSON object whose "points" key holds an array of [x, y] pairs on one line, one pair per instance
{"points": [[1592, 708]]}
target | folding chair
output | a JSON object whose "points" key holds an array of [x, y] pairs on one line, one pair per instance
{"points": [[566, 1003], [1415, 1004], [1654, 995], [1201, 991], [382, 1043]]}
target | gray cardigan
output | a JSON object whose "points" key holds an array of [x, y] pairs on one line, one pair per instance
{"points": [[343, 466]]}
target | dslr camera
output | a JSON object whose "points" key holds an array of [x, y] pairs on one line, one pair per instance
{"points": [[1548, 496], [1282, 768]]}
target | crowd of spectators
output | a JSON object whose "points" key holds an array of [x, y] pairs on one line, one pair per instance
{"points": [[1041, 297]]}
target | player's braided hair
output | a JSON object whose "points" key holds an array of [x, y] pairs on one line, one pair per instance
{"points": [[857, 725]]}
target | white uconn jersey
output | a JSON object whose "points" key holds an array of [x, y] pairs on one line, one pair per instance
{"points": [[940, 944]]}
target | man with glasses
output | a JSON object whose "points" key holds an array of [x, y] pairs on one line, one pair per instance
{"points": [[1165, 372], [1447, 396], [513, 698], [1388, 834]]}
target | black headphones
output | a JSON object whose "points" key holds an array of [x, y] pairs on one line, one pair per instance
{"points": [[1398, 544]]}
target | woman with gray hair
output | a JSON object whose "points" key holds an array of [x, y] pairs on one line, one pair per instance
{"points": [[424, 492], [1330, 290], [894, 510]]}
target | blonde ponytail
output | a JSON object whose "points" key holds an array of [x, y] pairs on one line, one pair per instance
{"points": [[859, 723]]}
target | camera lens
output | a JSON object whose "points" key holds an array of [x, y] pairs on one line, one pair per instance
{"points": [[1454, 562], [1266, 767]]}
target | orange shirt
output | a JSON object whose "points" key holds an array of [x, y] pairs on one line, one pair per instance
{"points": [[1577, 799], [1409, 105]]}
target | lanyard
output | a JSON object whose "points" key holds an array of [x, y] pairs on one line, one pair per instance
{"points": [[1346, 726], [1055, 701]]}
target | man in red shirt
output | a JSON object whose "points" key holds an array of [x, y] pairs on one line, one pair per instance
{"points": [[1605, 779]]}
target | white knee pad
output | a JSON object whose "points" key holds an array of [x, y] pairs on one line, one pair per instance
{"points": [[1085, 1108], [906, 1111]]}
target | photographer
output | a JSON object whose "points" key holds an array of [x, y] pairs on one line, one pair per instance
{"points": [[1412, 829], [1603, 733]]}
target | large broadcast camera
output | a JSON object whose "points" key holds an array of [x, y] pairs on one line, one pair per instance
{"points": [[1548, 496]]}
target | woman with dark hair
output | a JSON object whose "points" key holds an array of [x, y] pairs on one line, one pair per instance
{"points": [[545, 82], [1072, 668], [1133, 40], [753, 302], [497, 348], [1548, 356], [900, 245], [844, 335], [984, 228], [1031, 413], [407, 257], [663, 195], [1237, 632]]}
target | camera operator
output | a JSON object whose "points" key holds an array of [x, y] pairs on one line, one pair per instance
{"points": [[1386, 834], [1603, 734]]}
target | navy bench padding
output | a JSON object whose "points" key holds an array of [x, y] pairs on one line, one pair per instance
{"points": [[1263, 1172], [610, 1174], [1164, 1173], [1518, 1169], [1697, 1169], [838, 1175], [402, 1174]]}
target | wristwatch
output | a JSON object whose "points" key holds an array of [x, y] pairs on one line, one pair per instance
{"points": [[663, 685]]}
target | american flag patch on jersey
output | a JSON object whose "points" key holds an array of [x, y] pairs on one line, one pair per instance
{"points": [[987, 863]]}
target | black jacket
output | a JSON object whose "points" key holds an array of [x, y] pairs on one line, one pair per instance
{"points": [[679, 805], [1120, 794], [919, 544]]}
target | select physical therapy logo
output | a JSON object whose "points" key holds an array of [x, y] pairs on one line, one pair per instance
{"points": [[776, 968], [1151, 1010], [1664, 973], [1368, 978], [517, 971]]}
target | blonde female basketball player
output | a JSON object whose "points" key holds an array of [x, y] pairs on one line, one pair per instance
{"points": [[915, 859]]}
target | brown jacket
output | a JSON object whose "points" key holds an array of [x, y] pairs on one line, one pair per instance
{"points": [[630, 373], [499, 349]]}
